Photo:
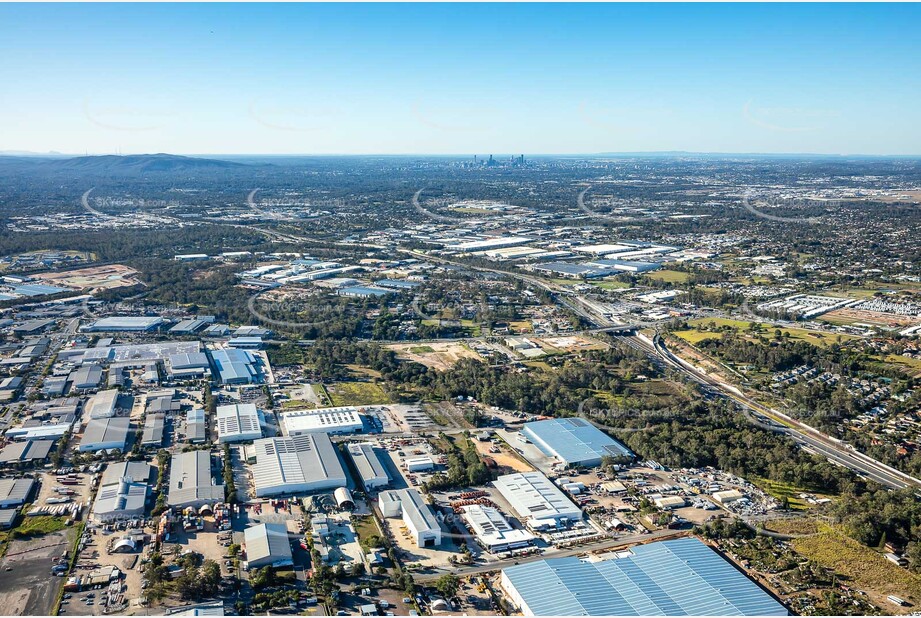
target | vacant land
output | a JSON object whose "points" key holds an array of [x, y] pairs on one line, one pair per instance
{"points": [[861, 316], [696, 336], [27, 587], [105, 277], [575, 343], [816, 338], [356, 394], [611, 285], [437, 355], [863, 567], [792, 525], [669, 276]]}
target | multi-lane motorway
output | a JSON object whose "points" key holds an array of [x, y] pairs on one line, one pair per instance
{"points": [[804, 435], [807, 437]]}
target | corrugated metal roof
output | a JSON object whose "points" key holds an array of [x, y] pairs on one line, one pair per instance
{"points": [[288, 464], [368, 464], [574, 440], [110, 432], [267, 542], [238, 422], [190, 479], [668, 578], [234, 365], [15, 491]]}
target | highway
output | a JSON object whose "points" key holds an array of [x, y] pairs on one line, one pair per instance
{"points": [[807, 437]]}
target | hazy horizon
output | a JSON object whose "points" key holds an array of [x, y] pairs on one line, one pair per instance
{"points": [[432, 79]]}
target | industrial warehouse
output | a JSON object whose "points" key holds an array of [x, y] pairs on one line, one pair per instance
{"points": [[416, 514], [267, 545], [574, 441], [191, 482], [324, 420], [302, 464], [372, 471], [537, 501], [239, 423], [667, 578]]}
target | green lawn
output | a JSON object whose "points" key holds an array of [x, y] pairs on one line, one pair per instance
{"points": [[696, 336], [40, 525], [669, 276], [422, 349], [293, 404], [610, 285]]}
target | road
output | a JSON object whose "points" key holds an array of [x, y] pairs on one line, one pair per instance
{"points": [[807, 437], [580, 306]]}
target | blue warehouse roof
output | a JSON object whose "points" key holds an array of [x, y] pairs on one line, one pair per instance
{"points": [[668, 578], [574, 440]]}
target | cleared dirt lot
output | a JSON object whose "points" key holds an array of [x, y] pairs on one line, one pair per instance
{"points": [[504, 458], [109, 276], [574, 343], [28, 589], [437, 355]]}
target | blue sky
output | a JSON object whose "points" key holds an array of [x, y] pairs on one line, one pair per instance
{"points": [[460, 78]]}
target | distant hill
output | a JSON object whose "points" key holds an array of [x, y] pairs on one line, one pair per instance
{"points": [[137, 164]]}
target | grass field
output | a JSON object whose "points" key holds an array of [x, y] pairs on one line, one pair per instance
{"points": [[40, 525], [815, 338], [520, 326], [863, 567], [696, 336], [740, 324], [790, 525], [365, 527], [669, 276], [611, 285], [914, 363], [781, 490], [356, 394], [474, 328], [422, 349]]}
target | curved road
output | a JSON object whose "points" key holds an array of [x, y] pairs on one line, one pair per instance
{"points": [[580, 201], [443, 218]]}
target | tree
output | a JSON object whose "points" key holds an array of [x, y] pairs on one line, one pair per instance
{"points": [[913, 555], [447, 585]]}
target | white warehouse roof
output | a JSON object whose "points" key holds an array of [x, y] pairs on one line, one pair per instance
{"points": [[324, 420], [492, 530], [536, 500], [238, 422], [267, 545], [300, 464], [370, 468]]}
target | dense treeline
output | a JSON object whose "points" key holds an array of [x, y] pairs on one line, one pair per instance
{"points": [[128, 244], [878, 517], [711, 433]]}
